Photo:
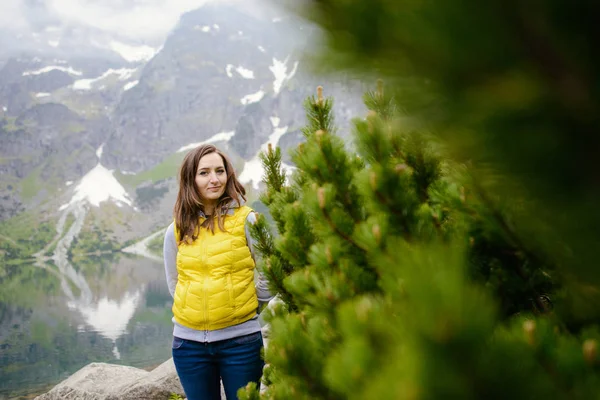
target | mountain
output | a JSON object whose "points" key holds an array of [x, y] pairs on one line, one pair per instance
{"points": [[92, 123]]}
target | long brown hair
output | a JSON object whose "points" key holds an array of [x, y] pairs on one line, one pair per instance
{"points": [[189, 202]]}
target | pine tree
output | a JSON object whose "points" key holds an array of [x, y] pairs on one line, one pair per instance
{"points": [[314, 263], [510, 90], [385, 303], [484, 285], [350, 208]]}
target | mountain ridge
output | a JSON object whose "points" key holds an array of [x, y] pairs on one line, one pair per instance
{"points": [[221, 75]]}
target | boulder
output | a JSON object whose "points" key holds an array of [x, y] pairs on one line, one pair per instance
{"points": [[101, 381]]}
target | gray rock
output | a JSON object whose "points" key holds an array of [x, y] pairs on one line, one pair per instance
{"points": [[101, 381]]}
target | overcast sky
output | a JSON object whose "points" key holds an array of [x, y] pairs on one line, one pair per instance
{"points": [[137, 19]]}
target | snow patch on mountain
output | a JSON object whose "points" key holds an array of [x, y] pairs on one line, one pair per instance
{"points": [[253, 171], [291, 74], [275, 121], [207, 28], [275, 136], [133, 53], [97, 186], [86, 84], [219, 137], [99, 151], [279, 70], [245, 73], [262, 49], [49, 68], [253, 98], [42, 94], [130, 85]]}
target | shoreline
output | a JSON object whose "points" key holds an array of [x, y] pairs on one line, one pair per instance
{"points": [[33, 391]]}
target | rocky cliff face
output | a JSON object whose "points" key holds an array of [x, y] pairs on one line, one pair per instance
{"points": [[217, 72]]}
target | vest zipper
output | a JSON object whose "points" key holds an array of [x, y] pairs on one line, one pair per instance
{"points": [[205, 266]]}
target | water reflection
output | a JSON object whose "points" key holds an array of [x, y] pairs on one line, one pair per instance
{"points": [[109, 317], [58, 317]]}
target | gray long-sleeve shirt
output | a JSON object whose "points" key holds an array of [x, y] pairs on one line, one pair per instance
{"points": [[260, 282]]}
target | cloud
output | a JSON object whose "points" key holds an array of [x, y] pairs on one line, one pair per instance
{"points": [[149, 19], [12, 16], [134, 19]]}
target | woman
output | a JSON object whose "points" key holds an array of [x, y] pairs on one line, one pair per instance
{"points": [[210, 268]]}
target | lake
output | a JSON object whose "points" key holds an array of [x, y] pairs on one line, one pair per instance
{"points": [[56, 317]]}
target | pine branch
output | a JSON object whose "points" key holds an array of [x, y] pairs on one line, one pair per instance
{"points": [[274, 177], [516, 241], [332, 225]]}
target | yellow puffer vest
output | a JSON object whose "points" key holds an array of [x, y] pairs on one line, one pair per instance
{"points": [[215, 285]]}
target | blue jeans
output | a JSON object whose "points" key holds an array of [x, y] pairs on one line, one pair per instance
{"points": [[199, 365]]}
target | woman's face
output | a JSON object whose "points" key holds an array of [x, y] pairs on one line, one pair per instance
{"points": [[211, 178]]}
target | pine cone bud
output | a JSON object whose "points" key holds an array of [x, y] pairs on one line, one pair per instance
{"points": [[373, 180], [400, 168], [380, 87], [319, 135], [377, 233], [321, 197], [268, 264], [529, 329], [270, 148], [471, 241], [301, 148], [328, 255], [463, 196], [320, 94], [590, 351]]}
